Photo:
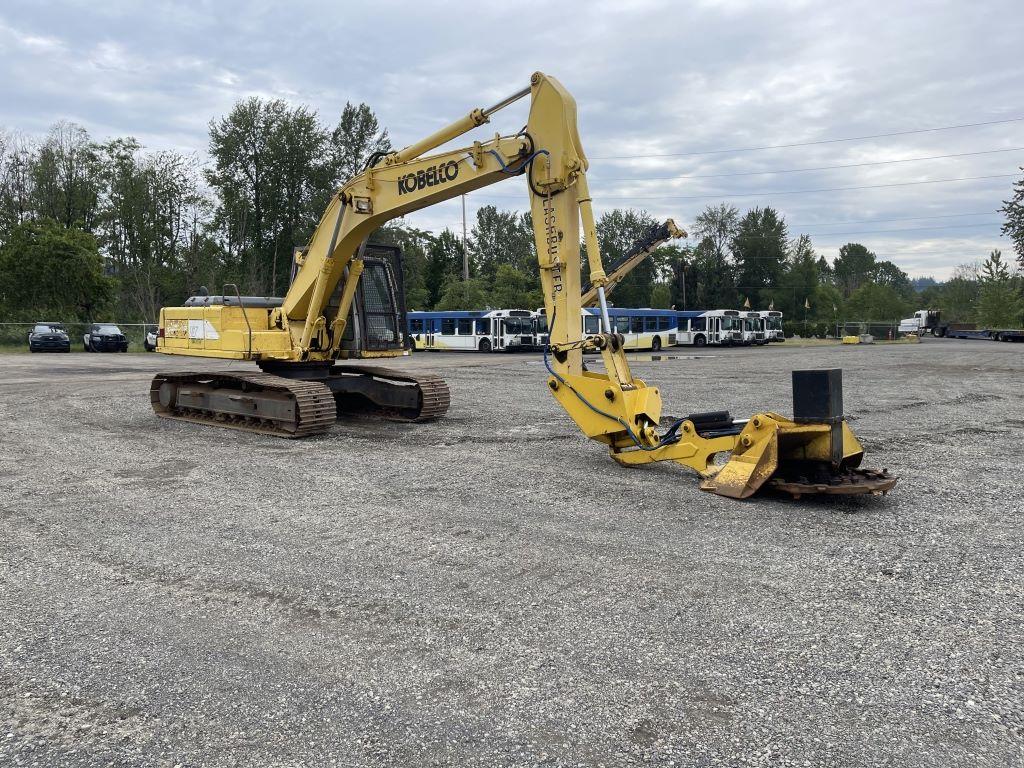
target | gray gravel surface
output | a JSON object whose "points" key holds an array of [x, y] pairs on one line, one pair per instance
{"points": [[493, 590]]}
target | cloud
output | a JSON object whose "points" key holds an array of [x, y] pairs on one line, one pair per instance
{"points": [[650, 78]]}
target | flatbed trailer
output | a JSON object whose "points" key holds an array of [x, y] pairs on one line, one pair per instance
{"points": [[988, 334]]}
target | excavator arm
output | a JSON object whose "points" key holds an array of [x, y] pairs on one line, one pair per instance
{"points": [[658, 235], [612, 407]]}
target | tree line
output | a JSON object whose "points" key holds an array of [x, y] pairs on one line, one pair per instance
{"points": [[93, 230]]}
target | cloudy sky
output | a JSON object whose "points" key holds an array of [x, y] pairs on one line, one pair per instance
{"points": [[681, 104]]}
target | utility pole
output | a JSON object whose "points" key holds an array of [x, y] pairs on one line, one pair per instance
{"points": [[465, 251]]}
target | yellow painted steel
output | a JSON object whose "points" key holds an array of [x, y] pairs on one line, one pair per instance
{"points": [[613, 408], [617, 275]]}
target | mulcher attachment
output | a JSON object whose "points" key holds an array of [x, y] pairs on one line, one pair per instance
{"points": [[815, 452]]}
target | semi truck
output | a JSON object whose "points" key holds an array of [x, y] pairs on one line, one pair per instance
{"points": [[930, 321]]}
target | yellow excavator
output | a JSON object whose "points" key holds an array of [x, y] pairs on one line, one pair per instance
{"points": [[340, 282], [653, 239]]}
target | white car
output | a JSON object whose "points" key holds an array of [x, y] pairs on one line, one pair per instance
{"points": [[150, 342]]}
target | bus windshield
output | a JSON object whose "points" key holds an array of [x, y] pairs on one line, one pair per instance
{"points": [[730, 323], [518, 325], [774, 323]]}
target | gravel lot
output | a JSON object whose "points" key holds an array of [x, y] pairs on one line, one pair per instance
{"points": [[493, 590]]}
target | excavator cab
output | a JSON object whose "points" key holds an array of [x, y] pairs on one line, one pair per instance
{"points": [[376, 321]]}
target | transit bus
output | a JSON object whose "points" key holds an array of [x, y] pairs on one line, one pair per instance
{"points": [[716, 327], [753, 329], [650, 329], [772, 320], [492, 330]]}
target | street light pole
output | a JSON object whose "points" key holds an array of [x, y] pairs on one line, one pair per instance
{"points": [[465, 251]]}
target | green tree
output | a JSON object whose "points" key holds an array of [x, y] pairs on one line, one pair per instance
{"points": [[872, 302], [272, 176], [1000, 305], [444, 263], [994, 269], [17, 193], [661, 296], [854, 266], [799, 281], [514, 289], [65, 177], [716, 226], [958, 296], [827, 307], [618, 232], [887, 273], [713, 282], [759, 251], [148, 224], [463, 294], [502, 237], [1013, 223], [53, 273], [357, 138]]}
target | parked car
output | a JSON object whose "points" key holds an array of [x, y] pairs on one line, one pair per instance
{"points": [[150, 341], [105, 337], [49, 337]]}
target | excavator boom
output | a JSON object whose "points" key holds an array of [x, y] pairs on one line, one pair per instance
{"points": [[814, 452]]}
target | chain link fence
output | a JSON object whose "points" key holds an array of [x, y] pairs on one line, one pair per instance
{"points": [[882, 331], [15, 335]]}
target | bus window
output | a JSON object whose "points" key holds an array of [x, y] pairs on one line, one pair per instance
{"points": [[591, 324], [447, 326], [637, 325], [699, 324], [415, 326], [664, 323], [683, 324], [622, 325], [483, 326]]}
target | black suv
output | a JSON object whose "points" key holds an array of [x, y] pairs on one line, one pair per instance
{"points": [[49, 337], [104, 337]]}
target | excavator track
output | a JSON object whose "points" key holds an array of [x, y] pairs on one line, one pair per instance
{"points": [[253, 402], [431, 403]]}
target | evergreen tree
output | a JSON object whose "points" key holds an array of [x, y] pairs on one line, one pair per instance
{"points": [[1013, 224], [759, 252]]}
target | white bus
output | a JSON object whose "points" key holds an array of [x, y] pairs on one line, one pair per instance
{"points": [[753, 329], [647, 329], [495, 330], [716, 327], [772, 320]]}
